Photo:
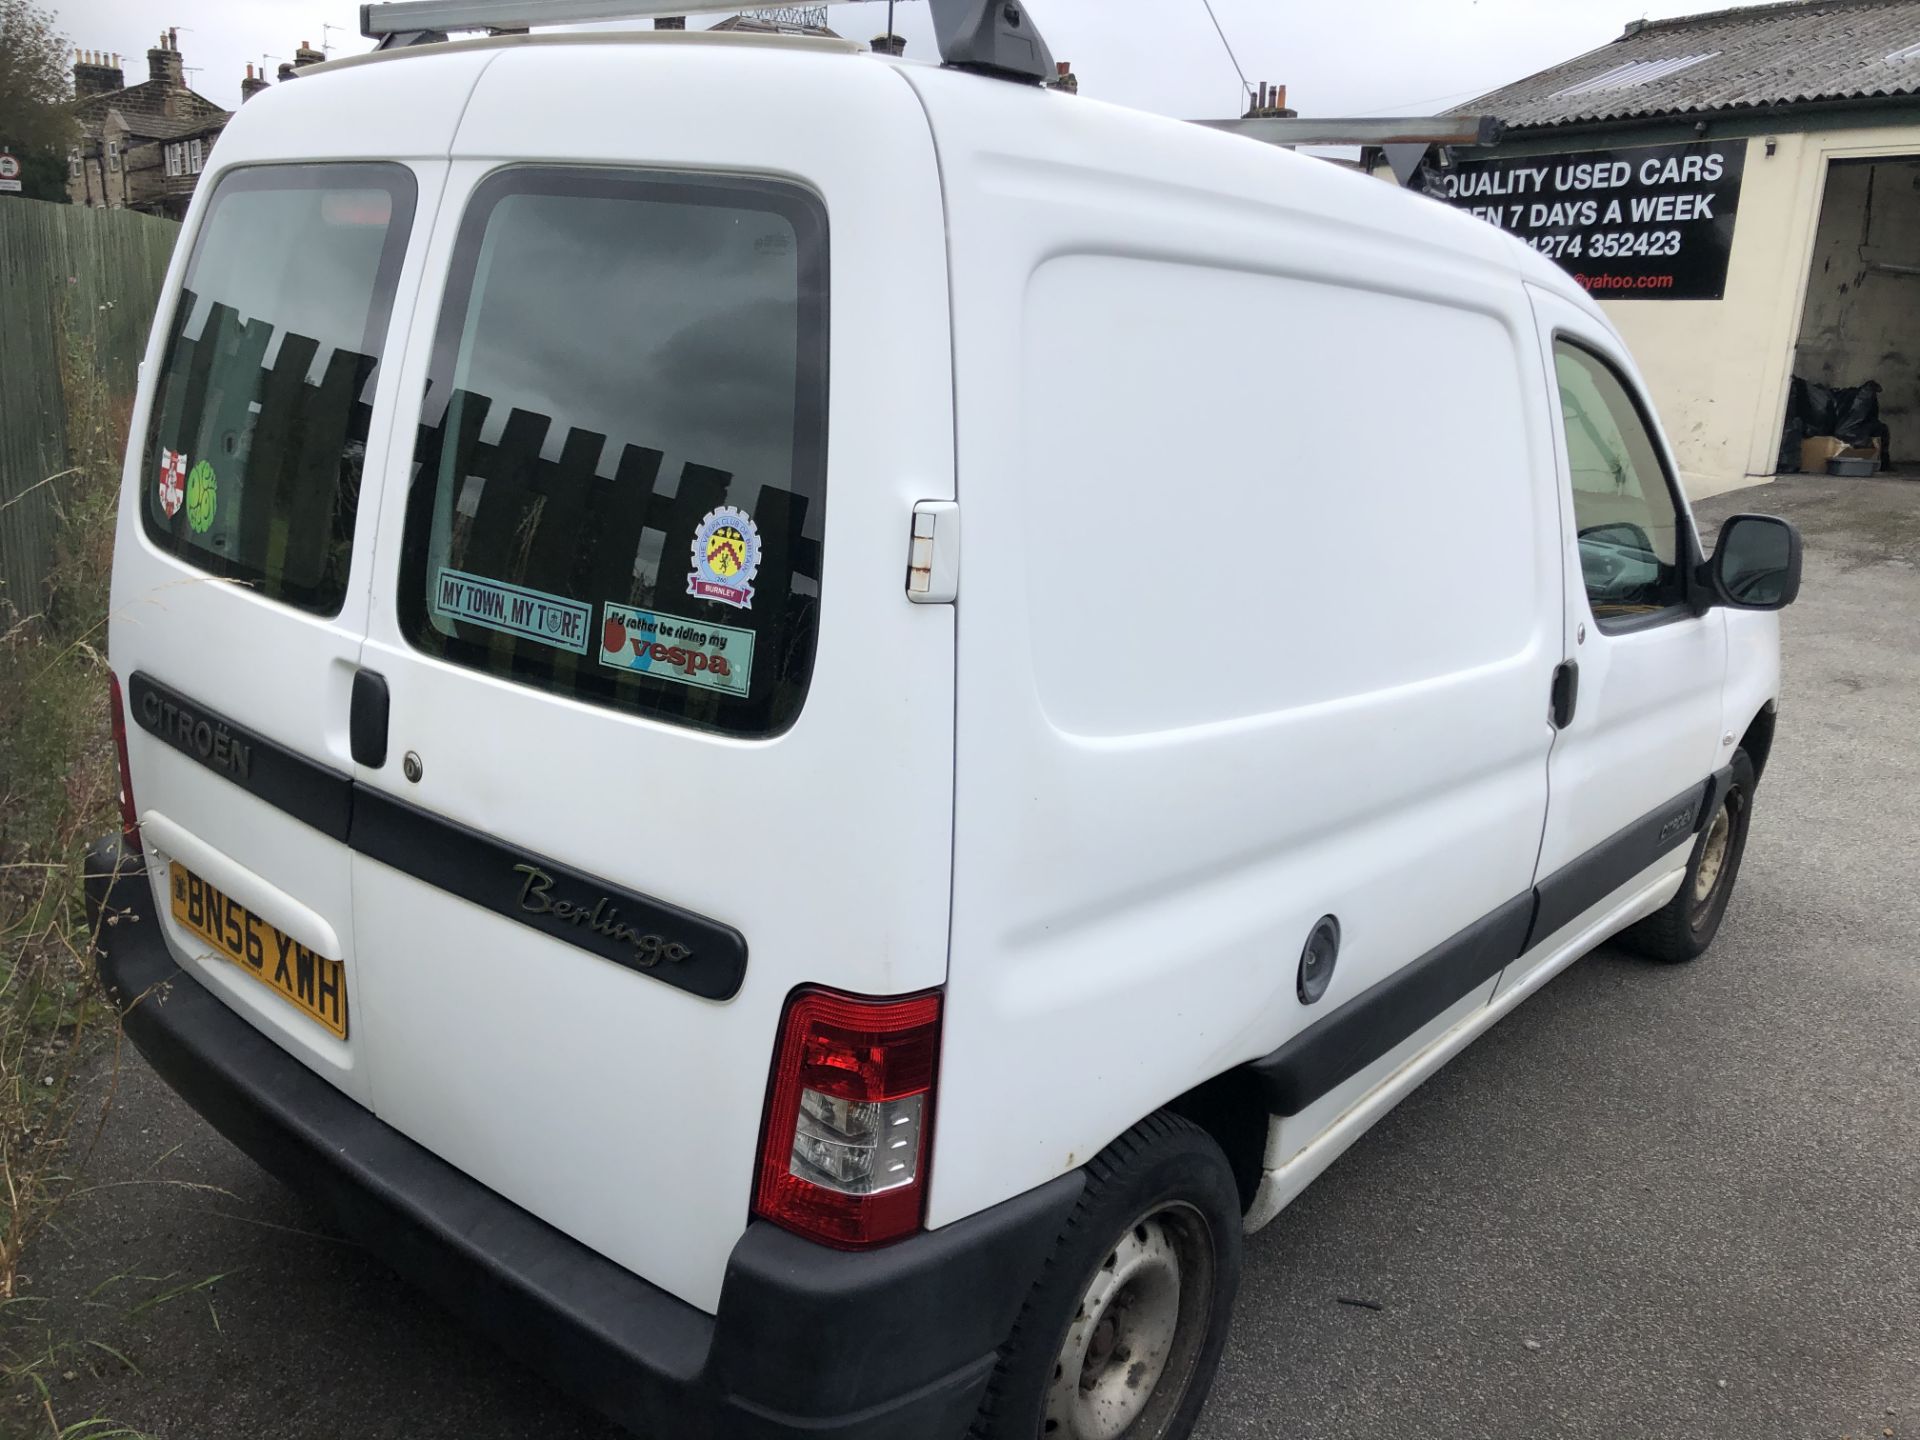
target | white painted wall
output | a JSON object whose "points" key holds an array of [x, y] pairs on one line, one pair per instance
{"points": [[1718, 369]]}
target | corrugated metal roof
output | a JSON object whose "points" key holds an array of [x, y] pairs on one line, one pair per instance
{"points": [[759, 25], [1781, 54]]}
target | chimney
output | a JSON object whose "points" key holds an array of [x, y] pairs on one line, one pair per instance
{"points": [[306, 55], [1269, 102], [164, 65], [888, 45], [1064, 78], [670, 22], [1634, 27], [252, 85], [95, 73], [287, 72]]}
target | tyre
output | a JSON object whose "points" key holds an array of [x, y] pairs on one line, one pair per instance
{"points": [[1686, 925], [1122, 1332]]}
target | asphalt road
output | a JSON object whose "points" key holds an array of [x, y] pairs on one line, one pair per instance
{"points": [[1652, 1202]]}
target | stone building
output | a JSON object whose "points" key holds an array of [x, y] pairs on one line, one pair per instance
{"points": [[142, 146]]}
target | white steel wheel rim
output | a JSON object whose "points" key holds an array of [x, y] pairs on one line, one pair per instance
{"points": [[1713, 856], [1127, 1355]]}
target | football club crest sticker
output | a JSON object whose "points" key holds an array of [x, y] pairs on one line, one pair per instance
{"points": [[173, 482], [726, 556]]}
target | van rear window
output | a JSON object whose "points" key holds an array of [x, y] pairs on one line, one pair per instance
{"points": [[259, 431], [621, 466]]}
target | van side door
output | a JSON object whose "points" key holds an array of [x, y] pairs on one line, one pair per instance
{"points": [[1242, 644], [1638, 705]]}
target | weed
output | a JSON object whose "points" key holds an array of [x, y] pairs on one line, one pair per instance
{"points": [[58, 785]]}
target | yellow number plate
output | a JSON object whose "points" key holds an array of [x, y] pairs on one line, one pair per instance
{"points": [[315, 984]]}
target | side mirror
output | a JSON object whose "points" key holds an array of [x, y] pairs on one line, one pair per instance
{"points": [[1756, 564]]}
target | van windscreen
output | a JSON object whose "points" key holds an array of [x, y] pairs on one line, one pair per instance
{"points": [[259, 429], [620, 471]]}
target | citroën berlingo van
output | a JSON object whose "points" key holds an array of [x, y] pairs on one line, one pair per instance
{"points": [[785, 729]]}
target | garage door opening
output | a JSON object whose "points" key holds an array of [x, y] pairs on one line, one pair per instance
{"points": [[1861, 324]]}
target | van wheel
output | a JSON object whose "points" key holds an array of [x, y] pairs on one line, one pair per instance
{"points": [[1122, 1332], [1685, 927]]}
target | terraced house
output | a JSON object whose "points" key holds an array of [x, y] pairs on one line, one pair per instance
{"points": [[142, 146]]}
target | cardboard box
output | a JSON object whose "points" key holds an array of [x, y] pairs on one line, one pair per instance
{"points": [[1816, 450]]}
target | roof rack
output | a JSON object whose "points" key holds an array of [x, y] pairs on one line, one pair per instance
{"points": [[994, 37], [1413, 130]]}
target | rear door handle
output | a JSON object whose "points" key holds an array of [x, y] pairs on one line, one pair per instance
{"points": [[367, 720]]}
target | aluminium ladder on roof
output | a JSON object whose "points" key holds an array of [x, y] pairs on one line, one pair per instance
{"points": [[991, 35], [995, 36]]}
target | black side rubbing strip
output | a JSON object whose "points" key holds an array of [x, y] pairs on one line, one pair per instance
{"points": [[1344, 1043], [676, 946], [1718, 784], [1583, 883], [670, 944], [310, 792]]}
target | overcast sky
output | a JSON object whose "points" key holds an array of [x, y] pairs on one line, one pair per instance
{"points": [[1360, 57]]}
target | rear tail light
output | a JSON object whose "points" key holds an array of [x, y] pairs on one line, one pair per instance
{"points": [[129, 812], [844, 1157]]}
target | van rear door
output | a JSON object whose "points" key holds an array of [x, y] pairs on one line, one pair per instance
{"points": [[667, 739], [240, 587]]}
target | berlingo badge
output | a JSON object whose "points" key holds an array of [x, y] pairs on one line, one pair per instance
{"points": [[726, 555]]}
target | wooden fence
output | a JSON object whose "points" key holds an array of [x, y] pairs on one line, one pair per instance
{"points": [[78, 287]]}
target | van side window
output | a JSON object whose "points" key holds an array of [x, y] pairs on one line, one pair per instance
{"points": [[253, 460], [621, 466], [1631, 547]]}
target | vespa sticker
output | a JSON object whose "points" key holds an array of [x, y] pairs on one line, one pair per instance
{"points": [[670, 647], [726, 556]]}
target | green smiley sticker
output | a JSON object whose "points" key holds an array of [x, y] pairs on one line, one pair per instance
{"points": [[203, 494]]}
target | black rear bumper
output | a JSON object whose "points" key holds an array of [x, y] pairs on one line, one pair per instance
{"points": [[808, 1341]]}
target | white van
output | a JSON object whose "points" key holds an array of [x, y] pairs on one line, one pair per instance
{"points": [[799, 726]]}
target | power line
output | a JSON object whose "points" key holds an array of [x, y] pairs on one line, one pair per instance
{"points": [[1229, 46]]}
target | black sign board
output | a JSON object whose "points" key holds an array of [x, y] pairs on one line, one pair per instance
{"points": [[1650, 223]]}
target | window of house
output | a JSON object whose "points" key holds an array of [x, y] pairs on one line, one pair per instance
{"points": [[196, 156], [1633, 546], [620, 477], [260, 417], [173, 160], [113, 154], [73, 164]]}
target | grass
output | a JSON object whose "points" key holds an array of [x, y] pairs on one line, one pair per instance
{"points": [[59, 1041]]}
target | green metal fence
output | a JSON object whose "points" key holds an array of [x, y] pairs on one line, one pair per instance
{"points": [[77, 294]]}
